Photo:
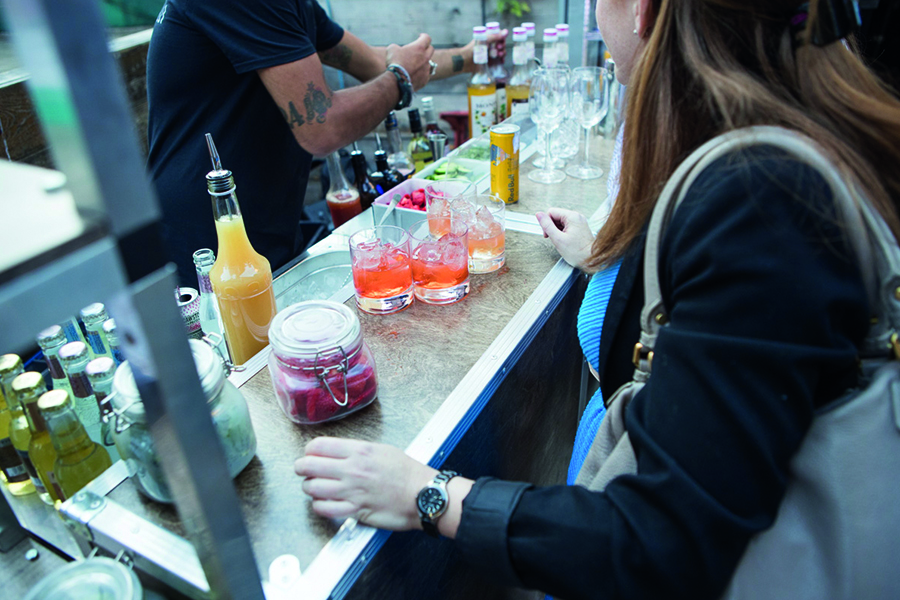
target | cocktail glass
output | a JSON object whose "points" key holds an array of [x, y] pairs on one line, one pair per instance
{"points": [[440, 263], [485, 217], [438, 196], [382, 275]]}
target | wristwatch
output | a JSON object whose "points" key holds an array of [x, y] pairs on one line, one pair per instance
{"points": [[404, 84], [432, 501]]}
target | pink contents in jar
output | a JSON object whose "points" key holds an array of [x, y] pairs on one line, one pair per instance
{"points": [[320, 366]]}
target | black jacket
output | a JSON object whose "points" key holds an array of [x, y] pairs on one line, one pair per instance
{"points": [[767, 312]]}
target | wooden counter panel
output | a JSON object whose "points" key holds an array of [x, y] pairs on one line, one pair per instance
{"points": [[421, 355]]}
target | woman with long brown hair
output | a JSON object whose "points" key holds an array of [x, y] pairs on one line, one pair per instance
{"points": [[766, 314]]}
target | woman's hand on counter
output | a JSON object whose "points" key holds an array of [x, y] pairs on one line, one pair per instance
{"points": [[376, 484], [570, 233]]}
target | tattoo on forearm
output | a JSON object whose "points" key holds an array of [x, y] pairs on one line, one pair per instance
{"points": [[458, 63], [339, 57], [316, 102]]}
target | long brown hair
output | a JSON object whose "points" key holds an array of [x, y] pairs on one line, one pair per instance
{"points": [[711, 66]]}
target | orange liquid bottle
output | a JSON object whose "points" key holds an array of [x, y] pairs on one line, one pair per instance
{"points": [[241, 277]]}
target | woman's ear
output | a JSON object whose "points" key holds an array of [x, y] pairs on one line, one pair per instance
{"points": [[644, 16]]}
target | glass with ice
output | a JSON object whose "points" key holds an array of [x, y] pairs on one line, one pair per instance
{"points": [[382, 275], [438, 196], [485, 217], [440, 265]]}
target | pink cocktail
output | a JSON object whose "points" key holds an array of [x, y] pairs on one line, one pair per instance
{"points": [[382, 275], [438, 197], [440, 266], [485, 217]]}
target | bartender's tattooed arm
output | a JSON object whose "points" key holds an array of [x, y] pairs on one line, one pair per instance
{"points": [[458, 63], [339, 57], [316, 102]]}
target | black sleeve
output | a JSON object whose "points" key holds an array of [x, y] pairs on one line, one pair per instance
{"points": [[767, 310]]}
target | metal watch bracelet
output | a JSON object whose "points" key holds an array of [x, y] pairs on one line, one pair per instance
{"points": [[404, 84]]}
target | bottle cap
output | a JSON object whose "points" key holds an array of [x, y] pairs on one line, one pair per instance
{"points": [[73, 352], [529, 28], [109, 325], [10, 364], [100, 368], [427, 102], [519, 34], [315, 327], [479, 34], [562, 30], [549, 35], [93, 313], [492, 27], [53, 401], [28, 384], [51, 337], [391, 121]]}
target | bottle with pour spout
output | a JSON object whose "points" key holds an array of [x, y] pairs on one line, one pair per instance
{"points": [[241, 277]]}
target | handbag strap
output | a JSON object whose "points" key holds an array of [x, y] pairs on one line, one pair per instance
{"points": [[871, 239]]}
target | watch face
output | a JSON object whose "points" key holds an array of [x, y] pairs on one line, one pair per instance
{"points": [[431, 501]]}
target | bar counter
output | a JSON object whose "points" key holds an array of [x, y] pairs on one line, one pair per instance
{"points": [[487, 386]]}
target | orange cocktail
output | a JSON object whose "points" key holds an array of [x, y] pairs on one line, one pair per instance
{"points": [[485, 217], [440, 266], [381, 269], [438, 197]]}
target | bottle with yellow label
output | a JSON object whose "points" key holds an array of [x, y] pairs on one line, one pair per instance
{"points": [[482, 88], [12, 471], [19, 432], [79, 460], [29, 387]]}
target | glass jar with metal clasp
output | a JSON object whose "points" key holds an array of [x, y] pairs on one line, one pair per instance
{"points": [[320, 365], [227, 407]]}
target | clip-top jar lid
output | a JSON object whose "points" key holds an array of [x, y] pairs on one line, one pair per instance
{"points": [[209, 368], [308, 328]]}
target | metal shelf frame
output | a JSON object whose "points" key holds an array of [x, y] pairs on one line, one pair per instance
{"points": [[79, 96]]}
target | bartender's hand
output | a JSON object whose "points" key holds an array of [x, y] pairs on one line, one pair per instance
{"points": [[569, 232], [414, 58], [376, 484]]}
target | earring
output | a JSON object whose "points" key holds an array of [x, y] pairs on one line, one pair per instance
{"points": [[635, 31]]}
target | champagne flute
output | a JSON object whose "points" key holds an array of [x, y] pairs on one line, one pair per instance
{"points": [[547, 102], [589, 105]]}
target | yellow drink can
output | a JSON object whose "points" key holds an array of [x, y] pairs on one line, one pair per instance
{"points": [[505, 162]]}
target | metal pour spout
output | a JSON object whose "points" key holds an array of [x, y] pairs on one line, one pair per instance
{"points": [[213, 153]]}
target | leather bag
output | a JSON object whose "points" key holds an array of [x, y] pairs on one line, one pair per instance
{"points": [[837, 531]]}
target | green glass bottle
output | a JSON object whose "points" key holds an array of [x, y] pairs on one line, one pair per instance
{"points": [[79, 459]]}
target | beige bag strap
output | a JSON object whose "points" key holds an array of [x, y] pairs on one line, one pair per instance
{"points": [[856, 216]]}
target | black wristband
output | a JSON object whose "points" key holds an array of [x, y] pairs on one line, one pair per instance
{"points": [[403, 84]]}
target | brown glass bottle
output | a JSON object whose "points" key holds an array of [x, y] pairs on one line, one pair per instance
{"points": [[366, 189], [79, 459]]}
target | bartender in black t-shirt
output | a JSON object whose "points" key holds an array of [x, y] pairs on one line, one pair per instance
{"points": [[250, 73]]}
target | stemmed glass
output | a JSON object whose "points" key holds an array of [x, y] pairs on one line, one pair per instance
{"points": [[548, 100], [589, 106]]}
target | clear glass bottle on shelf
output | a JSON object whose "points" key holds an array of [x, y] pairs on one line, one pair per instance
{"points": [[419, 147], [75, 358], [562, 45], [14, 473], [73, 330], [79, 459], [19, 431], [342, 198], [430, 116], [398, 158], [520, 82], [29, 387], [610, 123], [93, 316], [51, 340], [100, 372], [210, 319], [549, 57], [112, 338], [241, 277], [482, 89], [497, 68], [530, 56]]}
